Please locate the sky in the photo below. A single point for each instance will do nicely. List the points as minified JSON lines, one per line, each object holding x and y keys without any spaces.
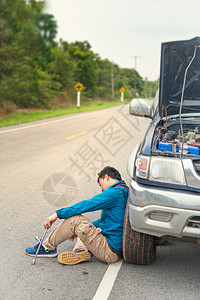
{"x":121,"y":30}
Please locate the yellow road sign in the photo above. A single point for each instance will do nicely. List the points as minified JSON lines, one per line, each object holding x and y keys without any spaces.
{"x":122,"y":90}
{"x":78,"y":86}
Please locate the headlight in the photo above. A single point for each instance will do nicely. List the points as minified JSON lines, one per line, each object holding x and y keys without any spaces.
{"x":168,"y":170}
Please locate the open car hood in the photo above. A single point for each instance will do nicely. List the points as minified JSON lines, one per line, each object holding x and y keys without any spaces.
{"x":175,"y":59}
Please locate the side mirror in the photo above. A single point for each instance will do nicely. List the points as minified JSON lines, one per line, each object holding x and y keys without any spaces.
{"x":141,"y":107}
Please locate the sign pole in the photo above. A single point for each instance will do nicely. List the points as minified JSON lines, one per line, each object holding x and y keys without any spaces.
{"x":78,"y":99}
{"x":122,"y":97}
{"x":78,"y":87}
{"x":122,"y":90}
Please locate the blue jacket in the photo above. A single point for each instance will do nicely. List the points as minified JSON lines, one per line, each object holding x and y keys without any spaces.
{"x":112,"y":202}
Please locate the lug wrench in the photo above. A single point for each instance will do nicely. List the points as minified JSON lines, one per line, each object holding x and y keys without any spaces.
{"x":42,"y":239}
{"x":38,"y":240}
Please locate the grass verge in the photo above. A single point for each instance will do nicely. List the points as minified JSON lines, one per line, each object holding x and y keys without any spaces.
{"x":25,"y":116}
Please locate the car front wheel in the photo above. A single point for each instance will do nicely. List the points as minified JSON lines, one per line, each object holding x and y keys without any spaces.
{"x":138,"y":248}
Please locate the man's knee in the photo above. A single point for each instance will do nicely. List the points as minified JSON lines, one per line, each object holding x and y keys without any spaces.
{"x":82,"y":227}
{"x":78,"y":221}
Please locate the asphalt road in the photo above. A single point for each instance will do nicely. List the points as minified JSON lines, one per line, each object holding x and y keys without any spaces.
{"x":49,"y":164}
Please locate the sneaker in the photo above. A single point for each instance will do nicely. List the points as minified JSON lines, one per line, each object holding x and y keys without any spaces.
{"x":31,"y":251}
{"x":73,"y":258}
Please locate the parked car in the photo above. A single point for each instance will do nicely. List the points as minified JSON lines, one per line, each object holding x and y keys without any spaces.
{"x":164,"y":197}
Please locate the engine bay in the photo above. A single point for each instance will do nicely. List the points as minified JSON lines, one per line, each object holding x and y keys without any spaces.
{"x":172,"y":139}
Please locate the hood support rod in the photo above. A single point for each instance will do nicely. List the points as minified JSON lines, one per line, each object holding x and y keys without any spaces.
{"x":181,"y":104}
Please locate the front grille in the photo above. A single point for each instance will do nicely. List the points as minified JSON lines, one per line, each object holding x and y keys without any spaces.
{"x":196,"y":164}
{"x":194,"y":222}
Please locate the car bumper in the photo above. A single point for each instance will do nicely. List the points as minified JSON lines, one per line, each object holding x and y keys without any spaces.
{"x":162,"y":212}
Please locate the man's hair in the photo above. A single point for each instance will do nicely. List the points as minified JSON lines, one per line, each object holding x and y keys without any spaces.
{"x":110,"y":171}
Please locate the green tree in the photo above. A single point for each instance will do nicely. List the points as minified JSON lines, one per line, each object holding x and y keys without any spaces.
{"x":46,"y":28}
{"x":150,"y":88}
{"x":128,"y":76}
{"x":62,"y":68}
{"x":34,"y":68}
{"x":86,"y":63}
{"x":22,"y":80}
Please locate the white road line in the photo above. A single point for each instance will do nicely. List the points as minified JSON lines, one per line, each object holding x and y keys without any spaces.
{"x":50,"y":122}
{"x":108,"y":281}
{"x":42,"y":124}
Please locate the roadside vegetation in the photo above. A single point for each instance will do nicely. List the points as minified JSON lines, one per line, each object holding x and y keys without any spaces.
{"x":30,"y":115}
{"x":38,"y":73}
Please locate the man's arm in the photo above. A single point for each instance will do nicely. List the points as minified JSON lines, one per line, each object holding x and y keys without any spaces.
{"x":107,"y":199}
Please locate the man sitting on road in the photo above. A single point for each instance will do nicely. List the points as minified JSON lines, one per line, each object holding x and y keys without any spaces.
{"x":101,"y":238}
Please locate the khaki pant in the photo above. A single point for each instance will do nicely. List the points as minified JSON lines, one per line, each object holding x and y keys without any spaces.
{"x":89,"y":238}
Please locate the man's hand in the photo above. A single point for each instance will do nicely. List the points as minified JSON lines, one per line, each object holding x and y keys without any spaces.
{"x":50,"y":220}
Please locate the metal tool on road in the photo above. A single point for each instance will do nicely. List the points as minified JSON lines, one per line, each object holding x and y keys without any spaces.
{"x":41,"y":241}
{"x":38,"y":240}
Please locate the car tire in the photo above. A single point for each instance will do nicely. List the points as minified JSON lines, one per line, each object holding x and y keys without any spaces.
{"x":138,"y":248}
